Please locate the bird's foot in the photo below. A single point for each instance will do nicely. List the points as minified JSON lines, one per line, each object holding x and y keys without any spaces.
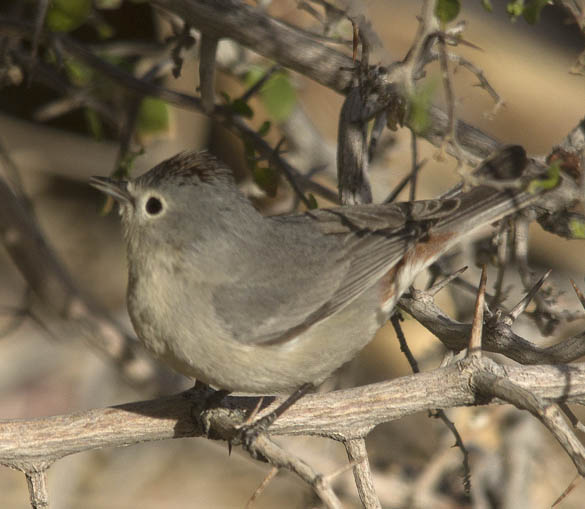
{"x":249,"y":433}
{"x":205,"y":400}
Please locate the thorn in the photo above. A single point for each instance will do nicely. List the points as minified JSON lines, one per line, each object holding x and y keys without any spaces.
{"x":345,"y":468}
{"x":255,"y":410}
{"x":260,"y":489}
{"x":568,"y":490}
{"x":578,"y":292}
{"x":395,"y":320}
{"x":436,"y":288}
{"x":519,"y":308}
{"x":577,"y":424}
{"x":477,"y":325}
{"x":229,"y":447}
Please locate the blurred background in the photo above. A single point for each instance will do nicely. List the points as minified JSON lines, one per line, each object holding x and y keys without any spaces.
{"x":57,"y":140}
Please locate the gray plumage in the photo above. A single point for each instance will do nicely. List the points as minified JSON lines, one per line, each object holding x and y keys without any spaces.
{"x":263,"y":305}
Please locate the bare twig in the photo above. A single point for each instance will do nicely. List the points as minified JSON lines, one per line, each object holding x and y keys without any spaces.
{"x":450,"y":100}
{"x":572,"y":485}
{"x":263,"y":485}
{"x":395,"y":319}
{"x":398,"y":189}
{"x":502,"y":239}
{"x":18,"y":314}
{"x":182,"y":41}
{"x":190,"y":102}
{"x":483,"y":82}
{"x":549,"y":414}
{"x":256,"y":87}
{"x":379,"y":124}
{"x":414,"y":164}
{"x":36,"y":481}
{"x":519,"y":308}
{"x":357,"y":453}
{"x":547,"y":317}
{"x":428,"y":25}
{"x":497,"y":337}
{"x":440,"y":414}
{"x":12,"y":175}
{"x":42,"y":6}
{"x":578,"y":292}
{"x":576,"y":9}
{"x":291,"y":174}
{"x":295,"y":50}
{"x":352,"y":145}
{"x":577,"y":424}
{"x":280,"y":458}
{"x":477,"y":325}
{"x":207,"y":53}
{"x":437,"y":287}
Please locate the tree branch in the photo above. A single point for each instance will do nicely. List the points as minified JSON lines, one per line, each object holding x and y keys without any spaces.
{"x":340,"y":415}
{"x":358,"y":454}
{"x":298,"y":50}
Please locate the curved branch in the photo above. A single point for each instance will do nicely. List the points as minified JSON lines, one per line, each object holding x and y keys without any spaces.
{"x":498,"y":337}
{"x":288,"y":45}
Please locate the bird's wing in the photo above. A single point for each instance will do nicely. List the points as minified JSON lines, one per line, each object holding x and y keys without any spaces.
{"x":336,"y":255}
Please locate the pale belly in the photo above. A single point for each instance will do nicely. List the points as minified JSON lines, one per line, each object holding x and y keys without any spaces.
{"x":204,"y":351}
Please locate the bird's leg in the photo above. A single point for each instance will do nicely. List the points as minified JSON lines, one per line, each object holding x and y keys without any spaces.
{"x":249,"y":432}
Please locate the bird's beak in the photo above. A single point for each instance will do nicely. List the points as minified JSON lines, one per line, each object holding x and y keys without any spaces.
{"x":117,"y":189}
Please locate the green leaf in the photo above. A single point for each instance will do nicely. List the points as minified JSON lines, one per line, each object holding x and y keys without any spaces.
{"x":242,"y":108}
{"x":278,"y":94}
{"x":153,"y":116}
{"x":267,"y":180}
{"x":125,"y":164}
{"x":94,"y":123}
{"x":264,"y":128}
{"x":253,"y":75}
{"x":514,"y":9}
{"x":577,"y":229}
{"x":250,"y":154}
{"x":447,"y":10}
{"x":67,"y":15}
{"x":419,"y":105}
{"x":487,"y":5}
{"x":104,"y":30}
{"x":551,"y":180}
{"x":79,"y":74}
{"x":312,"y":202}
{"x":531,"y":12}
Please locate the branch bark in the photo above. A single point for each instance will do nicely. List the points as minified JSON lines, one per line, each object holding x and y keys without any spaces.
{"x":340,"y":415}
{"x":300,"y":51}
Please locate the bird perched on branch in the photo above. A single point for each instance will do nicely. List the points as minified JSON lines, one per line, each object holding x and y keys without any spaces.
{"x":264,"y":305}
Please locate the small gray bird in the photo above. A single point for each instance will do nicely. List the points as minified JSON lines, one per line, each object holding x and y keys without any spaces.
{"x":264,"y":305}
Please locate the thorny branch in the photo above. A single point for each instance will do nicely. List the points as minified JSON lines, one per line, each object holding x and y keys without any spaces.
{"x":340,"y":415}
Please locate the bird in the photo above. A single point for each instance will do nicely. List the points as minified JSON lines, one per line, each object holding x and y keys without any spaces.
{"x":265,"y":304}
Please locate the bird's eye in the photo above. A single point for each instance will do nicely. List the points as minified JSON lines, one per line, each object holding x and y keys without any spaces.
{"x":153,"y":206}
